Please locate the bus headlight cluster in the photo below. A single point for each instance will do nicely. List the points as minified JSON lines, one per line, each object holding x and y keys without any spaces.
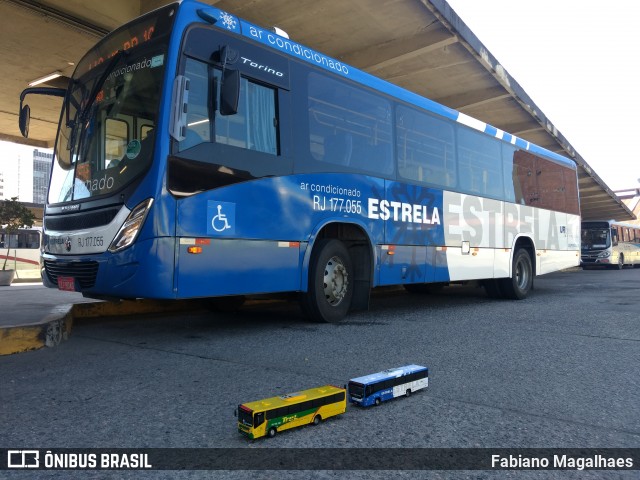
{"x":604,"y":255}
{"x":131,"y":226}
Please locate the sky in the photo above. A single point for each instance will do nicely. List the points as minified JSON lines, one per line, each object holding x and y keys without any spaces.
{"x":579,"y":62}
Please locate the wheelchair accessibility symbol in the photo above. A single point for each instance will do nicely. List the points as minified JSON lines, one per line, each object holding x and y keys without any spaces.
{"x":222,"y":216}
{"x":219,"y":221}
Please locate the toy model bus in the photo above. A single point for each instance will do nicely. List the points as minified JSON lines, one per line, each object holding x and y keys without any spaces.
{"x":379,"y":387}
{"x":275,"y":414}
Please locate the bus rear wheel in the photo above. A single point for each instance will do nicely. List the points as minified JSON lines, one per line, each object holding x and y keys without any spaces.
{"x":330,"y":289}
{"x":517,"y":287}
{"x":316,"y":420}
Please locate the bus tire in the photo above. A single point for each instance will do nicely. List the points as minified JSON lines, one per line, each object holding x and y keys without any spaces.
{"x":408,"y":392}
{"x":377,"y":401}
{"x":272,"y":432}
{"x":330,"y":289}
{"x":316,"y":420}
{"x":521,"y":281}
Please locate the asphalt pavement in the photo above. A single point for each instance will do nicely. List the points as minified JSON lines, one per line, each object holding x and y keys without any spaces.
{"x":553,"y":371}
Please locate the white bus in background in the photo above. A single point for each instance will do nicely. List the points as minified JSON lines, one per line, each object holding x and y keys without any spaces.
{"x":21,"y":249}
{"x":610,"y":244}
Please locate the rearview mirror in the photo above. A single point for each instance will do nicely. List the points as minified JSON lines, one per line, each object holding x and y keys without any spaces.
{"x":229,"y":92}
{"x":23,"y":121}
{"x":25,"y":111}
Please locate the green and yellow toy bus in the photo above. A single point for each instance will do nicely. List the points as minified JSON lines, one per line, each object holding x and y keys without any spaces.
{"x":275,"y":414}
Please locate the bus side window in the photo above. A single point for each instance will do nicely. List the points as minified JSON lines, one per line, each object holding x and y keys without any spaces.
{"x":254,"y":126}
{"x":426,"y":148}
{"x":551,"y":185}
{"x":479,"y":163}
{"x":198,"y":125}
{"x":614,"y":236}
{"x":348,"y":126}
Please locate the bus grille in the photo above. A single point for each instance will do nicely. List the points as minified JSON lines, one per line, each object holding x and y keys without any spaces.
{"x":591,"y":257}
{"x":84,"y":272}
{"x":80,"y":221}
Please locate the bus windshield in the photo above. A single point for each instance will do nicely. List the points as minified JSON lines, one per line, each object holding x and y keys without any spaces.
{"x":356,"y":389}
{"x":595,"y":238}
{"x":245,"y":416}
{"x":107,"y":123}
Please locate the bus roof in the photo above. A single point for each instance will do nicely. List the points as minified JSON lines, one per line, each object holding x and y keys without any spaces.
{"x":389,"y":373}
{"x":272,"y":40}
{"x":292,"y":398}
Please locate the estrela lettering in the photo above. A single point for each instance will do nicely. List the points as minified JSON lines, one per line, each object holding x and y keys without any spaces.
{"x":402,"y":212}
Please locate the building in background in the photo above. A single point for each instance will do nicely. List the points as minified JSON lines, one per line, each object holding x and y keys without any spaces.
{"x":24,"y":172}
{"x":41,"y":174}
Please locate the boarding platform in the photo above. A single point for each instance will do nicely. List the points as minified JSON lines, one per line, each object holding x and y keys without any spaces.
{"x":33,"y":316}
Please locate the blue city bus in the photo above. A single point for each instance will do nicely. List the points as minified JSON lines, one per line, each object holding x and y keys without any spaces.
{"x":379,"y":387}
{"x":199,"y":155}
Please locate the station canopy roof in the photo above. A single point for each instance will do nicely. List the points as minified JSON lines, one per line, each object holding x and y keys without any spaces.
{"x":421,"y":45}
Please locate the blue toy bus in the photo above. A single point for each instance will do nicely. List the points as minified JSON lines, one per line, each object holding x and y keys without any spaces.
{"x":199,"y":155}
{"x":379,"y":387}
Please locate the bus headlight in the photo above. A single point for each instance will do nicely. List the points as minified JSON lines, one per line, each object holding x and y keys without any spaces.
{"x":604,"y":255}
{"x":131,"y":226}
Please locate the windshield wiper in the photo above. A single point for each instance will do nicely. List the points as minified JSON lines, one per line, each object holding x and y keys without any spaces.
{"x":99,"y":82}
{"x":82,"y":112}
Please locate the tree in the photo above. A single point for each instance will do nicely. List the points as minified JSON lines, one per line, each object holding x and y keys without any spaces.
{"x":13,"y":216}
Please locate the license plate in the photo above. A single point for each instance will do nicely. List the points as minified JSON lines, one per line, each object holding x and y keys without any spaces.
{"x":67,"y":283}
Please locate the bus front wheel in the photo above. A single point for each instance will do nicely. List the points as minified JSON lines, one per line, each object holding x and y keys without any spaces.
{"x":330,"y":289}
{"x":620,"y":264}
{"x":518,"y":285}
{"x":272,"y":432}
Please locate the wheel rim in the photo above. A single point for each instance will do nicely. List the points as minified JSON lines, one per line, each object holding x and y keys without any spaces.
{"x":522,"y":275}
{"x":336,"y":281}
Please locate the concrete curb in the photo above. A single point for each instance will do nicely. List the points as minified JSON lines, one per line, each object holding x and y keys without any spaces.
{"x":50,"y":331}
{"x":57,"y":325}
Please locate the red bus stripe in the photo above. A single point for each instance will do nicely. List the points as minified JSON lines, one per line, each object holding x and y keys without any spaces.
{"x":20,"y":259}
